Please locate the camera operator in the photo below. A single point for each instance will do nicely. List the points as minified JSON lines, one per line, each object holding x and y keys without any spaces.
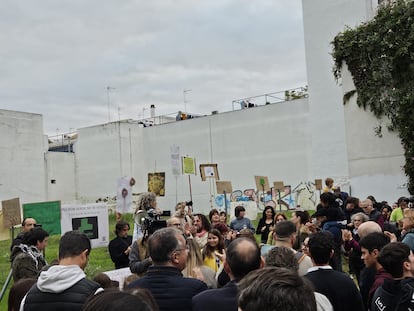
{"x":146,"y":204}
{"x":147,"y":221}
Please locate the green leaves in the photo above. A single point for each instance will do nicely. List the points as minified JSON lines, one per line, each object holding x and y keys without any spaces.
{"x":380,"y":56}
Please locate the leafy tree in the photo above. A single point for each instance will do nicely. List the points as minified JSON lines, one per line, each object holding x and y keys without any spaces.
{"x":380,"y":56}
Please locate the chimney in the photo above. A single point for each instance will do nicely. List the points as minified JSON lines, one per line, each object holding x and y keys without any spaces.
{"x":152,"y":108}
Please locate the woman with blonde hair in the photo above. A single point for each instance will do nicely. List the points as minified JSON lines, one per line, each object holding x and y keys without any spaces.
{"x":407,"y":233}
{"x":195,"y":268}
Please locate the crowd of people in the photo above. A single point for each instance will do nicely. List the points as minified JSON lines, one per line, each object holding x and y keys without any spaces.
{"x":196,"y":262}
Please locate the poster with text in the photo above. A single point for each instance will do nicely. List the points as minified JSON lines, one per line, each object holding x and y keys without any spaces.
{"x":91,"y":219}
{"x":189,"y":165}
{"x":175,"y":160}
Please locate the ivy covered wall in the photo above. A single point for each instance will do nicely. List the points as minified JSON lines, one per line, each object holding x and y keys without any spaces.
{"x":380,"y":56}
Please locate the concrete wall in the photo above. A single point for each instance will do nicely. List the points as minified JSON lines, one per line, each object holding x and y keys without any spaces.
{"x":21,"y":153}
{"x":103,"y":153}
{"x":291,"y":141}
{"x":271,"y":140}
{"x":60,"y":167}
{"x":322,"y":20}
{"x":343,"y":142}
{"x":375,"y":163}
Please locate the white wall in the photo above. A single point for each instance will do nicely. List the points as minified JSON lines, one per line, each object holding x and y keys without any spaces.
{"x":271,"y":140}
{"x":292,"y":141}
{"x":344,"y":144}
{"x":375,"y":163}
{"x":322,"y":20}
{"x":22,"y":172}
{"x":60,"y":166}
{"x":103,"y":154}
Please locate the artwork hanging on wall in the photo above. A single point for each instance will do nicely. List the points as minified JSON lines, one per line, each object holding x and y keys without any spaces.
{"x":156,"y":183}
{"x":209,"y":171}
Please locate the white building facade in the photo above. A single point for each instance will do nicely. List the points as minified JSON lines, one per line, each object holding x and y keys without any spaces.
{"x":294,"y":141}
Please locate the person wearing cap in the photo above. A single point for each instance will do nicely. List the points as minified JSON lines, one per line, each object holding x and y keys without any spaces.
{"x":285,"y":236}
{"x":397,"y":214}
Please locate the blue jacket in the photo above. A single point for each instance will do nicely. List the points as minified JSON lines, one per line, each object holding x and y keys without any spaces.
{"x":170,"y":289}
{"x":408,"y":239}
{"x":335,"y":228}
{"x":241,"y":223}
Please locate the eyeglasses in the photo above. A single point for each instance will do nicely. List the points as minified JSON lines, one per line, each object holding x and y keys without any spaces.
{"x":186,"y":248}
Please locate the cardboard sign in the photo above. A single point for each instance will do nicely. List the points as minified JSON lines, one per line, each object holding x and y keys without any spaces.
{"x":262,"y":183}
{"x":224,"y":186}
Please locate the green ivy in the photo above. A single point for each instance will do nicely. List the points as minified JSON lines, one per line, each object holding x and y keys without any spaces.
{"x":380,"y":56}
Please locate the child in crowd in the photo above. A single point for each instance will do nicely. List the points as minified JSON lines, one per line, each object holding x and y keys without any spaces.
{"x":215,"y":244}
{"x":223,"y":217}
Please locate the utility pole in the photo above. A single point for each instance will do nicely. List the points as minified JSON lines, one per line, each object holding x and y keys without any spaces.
{"x":108,"y":89}
{"x":185,"y":101}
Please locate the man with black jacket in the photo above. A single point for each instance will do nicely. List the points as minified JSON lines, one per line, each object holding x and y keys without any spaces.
{"x":396,"y":293}
{"x":336,"y":286}
{"x":168,"y":251}
{"x":120,"y":247}
{"x":242,"y":256}
{"x":64,"y":287}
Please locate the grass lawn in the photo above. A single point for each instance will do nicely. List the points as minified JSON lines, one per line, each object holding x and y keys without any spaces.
{"x":99,"y":259}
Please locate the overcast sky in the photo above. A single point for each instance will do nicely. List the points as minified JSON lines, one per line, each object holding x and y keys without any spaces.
{"x":58,"y":57}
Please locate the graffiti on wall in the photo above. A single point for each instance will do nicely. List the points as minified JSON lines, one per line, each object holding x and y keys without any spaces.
{"x":304,"y":195}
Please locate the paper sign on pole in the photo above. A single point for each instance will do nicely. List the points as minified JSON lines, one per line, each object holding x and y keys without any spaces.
{"x":175,"y":160}
{"x":124,"y":194}
{"x":11,"y":212}
{"x":189,"y":165}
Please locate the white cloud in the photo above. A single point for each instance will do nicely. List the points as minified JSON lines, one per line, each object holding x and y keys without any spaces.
{"x":59,"y":56}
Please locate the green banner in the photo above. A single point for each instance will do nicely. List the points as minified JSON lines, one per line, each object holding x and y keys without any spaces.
{"x":46,"y":214}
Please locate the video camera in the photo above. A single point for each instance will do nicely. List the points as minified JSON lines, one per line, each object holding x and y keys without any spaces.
{"x":152,"y":222}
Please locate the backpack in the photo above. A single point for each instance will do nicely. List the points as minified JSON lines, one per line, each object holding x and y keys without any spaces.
{"x":300,"y":256}
{"x":266,"y":248}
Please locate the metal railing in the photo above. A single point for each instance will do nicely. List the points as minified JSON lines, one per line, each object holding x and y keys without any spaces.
{"x":271,"y":98}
